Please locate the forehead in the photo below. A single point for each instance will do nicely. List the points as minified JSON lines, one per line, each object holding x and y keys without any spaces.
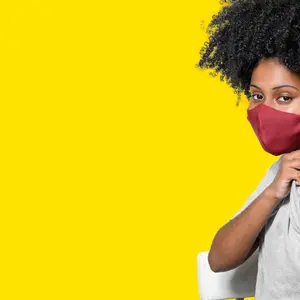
{"x":272,"y":73}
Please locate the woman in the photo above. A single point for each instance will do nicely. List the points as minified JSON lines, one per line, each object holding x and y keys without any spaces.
{"x":255,"y":46}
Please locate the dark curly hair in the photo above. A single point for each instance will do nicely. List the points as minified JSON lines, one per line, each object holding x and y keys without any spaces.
{"x":246,"y":31}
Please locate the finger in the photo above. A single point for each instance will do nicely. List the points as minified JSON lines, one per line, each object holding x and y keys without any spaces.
{"x":296,"y":176}
{"x":293,"y":154}
{"x":295,"y":163}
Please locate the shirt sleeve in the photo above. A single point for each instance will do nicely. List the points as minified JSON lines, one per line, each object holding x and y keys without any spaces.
{"x":263,"y":184}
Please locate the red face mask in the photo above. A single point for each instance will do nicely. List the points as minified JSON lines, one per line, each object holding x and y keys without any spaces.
{"x":278,"y":131}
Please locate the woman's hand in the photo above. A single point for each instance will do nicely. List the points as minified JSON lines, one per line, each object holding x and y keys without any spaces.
{"x":289,"y":170}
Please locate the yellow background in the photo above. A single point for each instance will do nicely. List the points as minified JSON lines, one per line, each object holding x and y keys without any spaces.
{"x":120,"y":159}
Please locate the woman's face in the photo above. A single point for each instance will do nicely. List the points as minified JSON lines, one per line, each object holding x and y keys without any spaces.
{"x":276,"y":86}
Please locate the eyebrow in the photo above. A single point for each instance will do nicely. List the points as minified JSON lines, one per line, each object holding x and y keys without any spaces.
{"x":276,"y":87}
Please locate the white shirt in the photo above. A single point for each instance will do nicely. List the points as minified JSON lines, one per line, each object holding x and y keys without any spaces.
{"x":278,"y":275}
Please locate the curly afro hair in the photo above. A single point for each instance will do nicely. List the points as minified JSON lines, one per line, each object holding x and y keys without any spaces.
{"x":246,"y":31}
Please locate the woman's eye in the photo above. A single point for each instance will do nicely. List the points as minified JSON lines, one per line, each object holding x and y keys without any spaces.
{"x":256,"y":97}
{"x":286,"y":98}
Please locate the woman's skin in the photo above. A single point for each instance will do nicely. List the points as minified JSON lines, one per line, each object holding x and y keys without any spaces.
{"x":236,"y":241}
{"x":265,"y":87}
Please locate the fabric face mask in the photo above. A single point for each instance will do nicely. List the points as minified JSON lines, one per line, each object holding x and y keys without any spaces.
{"x":277,"y":131}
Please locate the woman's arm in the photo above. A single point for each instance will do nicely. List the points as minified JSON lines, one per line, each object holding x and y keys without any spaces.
{"x":236,"y":241}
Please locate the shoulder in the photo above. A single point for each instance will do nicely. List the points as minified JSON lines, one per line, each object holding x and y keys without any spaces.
{"x":275,"y":166}
{"x":264,"y":182}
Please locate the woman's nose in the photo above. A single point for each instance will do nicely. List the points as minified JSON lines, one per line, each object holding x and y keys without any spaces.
{"x":268,"y":101}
